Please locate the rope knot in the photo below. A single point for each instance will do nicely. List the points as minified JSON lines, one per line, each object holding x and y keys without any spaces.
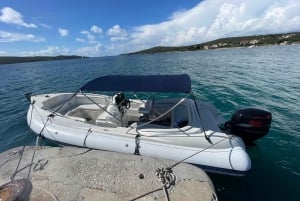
{"x":40,"y":165}
{"x":166,"y":176}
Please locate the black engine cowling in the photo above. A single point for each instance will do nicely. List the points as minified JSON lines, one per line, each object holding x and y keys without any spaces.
{"x":250,"y":124}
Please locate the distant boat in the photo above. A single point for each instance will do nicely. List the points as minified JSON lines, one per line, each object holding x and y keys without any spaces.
{"x":251,"y":46}
{"x":173,"y":127}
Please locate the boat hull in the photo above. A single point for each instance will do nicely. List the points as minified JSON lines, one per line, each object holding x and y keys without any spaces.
{"x":224,"y":154}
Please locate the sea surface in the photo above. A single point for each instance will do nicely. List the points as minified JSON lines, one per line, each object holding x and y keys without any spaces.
{"x":265,"y":77}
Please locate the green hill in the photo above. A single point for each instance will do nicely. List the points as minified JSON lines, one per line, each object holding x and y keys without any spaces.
{"x":12,"y":59}
{"x":243,"y":41}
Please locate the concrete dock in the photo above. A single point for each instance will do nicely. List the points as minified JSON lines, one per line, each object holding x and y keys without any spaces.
{"x":69,"y":173}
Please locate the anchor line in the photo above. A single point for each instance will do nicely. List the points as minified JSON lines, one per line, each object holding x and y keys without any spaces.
{"x":198,"y":152}
{"x":88,"y":133}
{"x":145,"y":194}
{"x":45,"y":124}
{"x":37,"y":143}
{"x":199,"y":115}
{"x":12,"y":178}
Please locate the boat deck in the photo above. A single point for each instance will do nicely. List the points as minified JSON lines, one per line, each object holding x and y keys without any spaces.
{"x":91,"y":113}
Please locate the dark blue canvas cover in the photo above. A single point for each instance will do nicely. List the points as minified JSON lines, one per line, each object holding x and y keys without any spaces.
{"x":141,"y":83}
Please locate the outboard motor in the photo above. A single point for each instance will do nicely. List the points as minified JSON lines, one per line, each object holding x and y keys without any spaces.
{"x":250,"y":124}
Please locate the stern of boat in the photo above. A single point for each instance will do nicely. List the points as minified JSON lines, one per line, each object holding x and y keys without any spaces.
{"x":238,"y":158}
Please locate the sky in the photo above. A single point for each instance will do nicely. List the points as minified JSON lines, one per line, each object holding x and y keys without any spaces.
{"x":110,"y":27}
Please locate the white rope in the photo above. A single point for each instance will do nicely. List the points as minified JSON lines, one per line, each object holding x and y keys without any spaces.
{"x":198,"y":152}
{"x":44,"y":123}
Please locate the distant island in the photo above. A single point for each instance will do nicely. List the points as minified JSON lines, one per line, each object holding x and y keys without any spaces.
{"x":12,"y":59}
{"x":232,"y":42}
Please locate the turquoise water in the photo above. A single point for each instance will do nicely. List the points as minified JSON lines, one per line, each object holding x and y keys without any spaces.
{"x":267,"y":77}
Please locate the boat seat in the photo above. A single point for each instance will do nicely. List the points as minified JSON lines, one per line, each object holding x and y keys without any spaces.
{"x":84,"y":113}
{"x":111,"y":117}
{"x":148,"y":106}
{"x":180,"y":116}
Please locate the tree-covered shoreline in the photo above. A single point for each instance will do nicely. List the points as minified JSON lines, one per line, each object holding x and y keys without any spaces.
{"x":231,"y":42}
{"x":14,"y":59}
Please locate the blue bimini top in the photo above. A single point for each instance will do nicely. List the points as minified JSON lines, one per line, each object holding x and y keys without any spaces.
{"x":141,"y":83}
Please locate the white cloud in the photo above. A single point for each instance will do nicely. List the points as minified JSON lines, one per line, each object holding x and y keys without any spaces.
{"x":215,"y":19}
{"x":116,"y":33}
{"x":84,"y":32}
{"x":91,"y":51}
{"x":116,"y":30}
{"x":49,"y":51}
{"x":80,"y":40}
{"x":11,"y":16}
{"x":118,"y":38}
{"x":89,"y":36}
{"x":13,"y":37}
{"x":96,"y":29}
{"x":45,"y":26}
{"x":208,"y":20}
{"x":63,"y":32}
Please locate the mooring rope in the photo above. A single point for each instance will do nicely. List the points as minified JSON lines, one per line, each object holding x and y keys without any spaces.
{"x":88,"y":133}
{"x":37,"y":143}
{"x":44,"y":123}
{"x":199,"y":115}
{"x":23,"y":148}
{"x":31,"y":163}
{"x":166,"y":175}
{"x":12,"y":178}
{"x":198,"y":152}
{"x":168,"y":178}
